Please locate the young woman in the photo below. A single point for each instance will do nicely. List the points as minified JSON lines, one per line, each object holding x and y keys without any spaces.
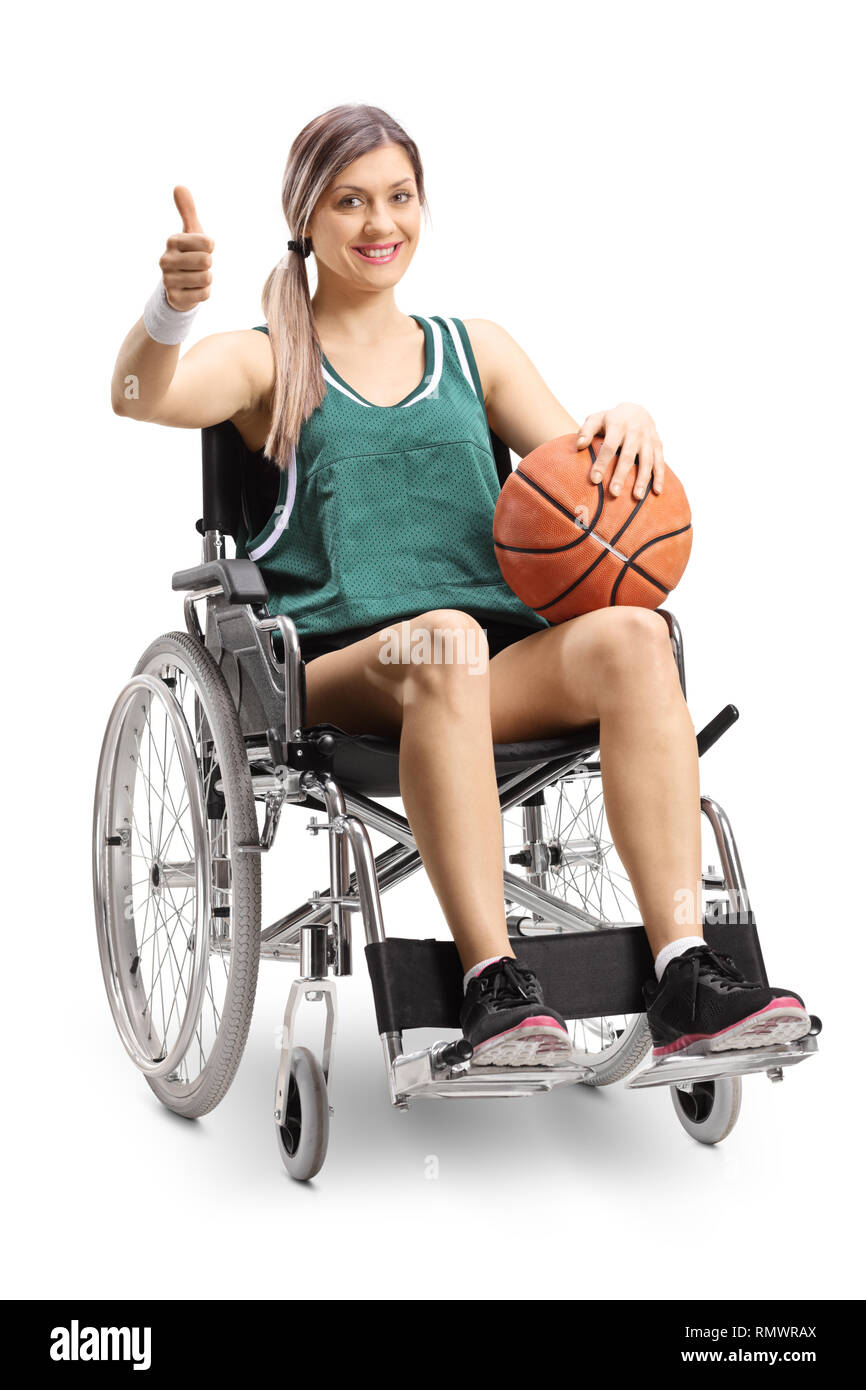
{"x":379,"y":423}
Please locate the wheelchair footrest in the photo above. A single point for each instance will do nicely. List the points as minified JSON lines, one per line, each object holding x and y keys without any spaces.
{"x":585,"y":974}
{"x":674,"y":1071}
{"x":416,"y":1075}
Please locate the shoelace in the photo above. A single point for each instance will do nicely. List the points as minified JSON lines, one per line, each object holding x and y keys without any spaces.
{"x":511,"y":984}
{"x":716,"y":967}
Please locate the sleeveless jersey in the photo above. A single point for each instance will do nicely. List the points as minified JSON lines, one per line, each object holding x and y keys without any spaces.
{"x":385,"y":512}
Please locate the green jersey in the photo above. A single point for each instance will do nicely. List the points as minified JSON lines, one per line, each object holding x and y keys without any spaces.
{"x":386,"y":512}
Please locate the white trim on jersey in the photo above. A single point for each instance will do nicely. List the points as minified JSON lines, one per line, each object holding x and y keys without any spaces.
{"x":338,"y":386}
{"x":438,"y":359}
{"x":461,"y":353}
{"x":432,"y":385}
{"x":283,"y":518}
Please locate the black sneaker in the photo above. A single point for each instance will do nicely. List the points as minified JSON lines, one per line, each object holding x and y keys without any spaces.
{"x":704,"y":1004}
{"x":506,"y":1020}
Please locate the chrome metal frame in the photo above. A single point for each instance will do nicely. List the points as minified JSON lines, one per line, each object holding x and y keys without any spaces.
{"x":679,"y":1071}
{"x":314,"y":989}
{"x":290,"y":666}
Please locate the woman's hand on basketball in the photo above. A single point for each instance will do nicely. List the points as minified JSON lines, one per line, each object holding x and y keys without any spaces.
{"x":185,"y":263}
{"x":631,"y":429}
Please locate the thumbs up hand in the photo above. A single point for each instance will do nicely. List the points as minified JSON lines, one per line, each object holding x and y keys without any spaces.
{"x":185,"y":263}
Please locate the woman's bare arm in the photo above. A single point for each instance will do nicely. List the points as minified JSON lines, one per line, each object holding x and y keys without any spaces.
{"x":225,"y":376}
{"x":521,"y":407}
{"x":524,"y":413}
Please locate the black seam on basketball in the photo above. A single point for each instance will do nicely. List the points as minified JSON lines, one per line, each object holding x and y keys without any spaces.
{"x":630,"y":564}
{"x":654,"y":540}
{"x":557,"y":549}
{"x":639,"y":568}
{"x":571,"y":587}
{"x":554,"y":549}
{"x":629,"y":519}
{"x":599,"y":490}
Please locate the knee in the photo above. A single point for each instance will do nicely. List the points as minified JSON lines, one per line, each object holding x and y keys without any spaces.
{"x":445,"y":644}
{"x":631,"y":638}
{"x":446,"y":620}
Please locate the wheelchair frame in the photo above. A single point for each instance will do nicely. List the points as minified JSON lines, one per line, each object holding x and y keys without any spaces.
{"x":587,"y":969}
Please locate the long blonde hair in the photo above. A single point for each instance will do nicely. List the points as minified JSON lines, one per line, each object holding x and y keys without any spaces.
{"x":318,"y":154}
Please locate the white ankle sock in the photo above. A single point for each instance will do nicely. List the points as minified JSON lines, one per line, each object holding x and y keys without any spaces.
{"x":477,"y":969}
{"x":674,"y":949}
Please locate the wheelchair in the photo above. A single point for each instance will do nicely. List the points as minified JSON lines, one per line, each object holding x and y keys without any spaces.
{"x":207,"y":744}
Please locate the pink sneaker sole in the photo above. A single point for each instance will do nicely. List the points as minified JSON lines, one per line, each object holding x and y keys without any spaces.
{"x":783,"y":1020}
{"x":538,"y":1041}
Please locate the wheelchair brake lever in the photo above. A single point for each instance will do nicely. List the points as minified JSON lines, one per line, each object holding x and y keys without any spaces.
{"x":277,"y":748}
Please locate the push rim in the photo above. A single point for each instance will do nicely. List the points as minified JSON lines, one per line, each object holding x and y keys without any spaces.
{"x":206,"y":1071}
{"x":151,"y":889}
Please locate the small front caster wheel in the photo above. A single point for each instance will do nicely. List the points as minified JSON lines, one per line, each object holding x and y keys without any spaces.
{"x":708,"y":1110}
{"x":303,"y":1139}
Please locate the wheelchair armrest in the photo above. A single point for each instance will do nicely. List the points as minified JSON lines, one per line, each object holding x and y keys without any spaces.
{"x":240,"y":580}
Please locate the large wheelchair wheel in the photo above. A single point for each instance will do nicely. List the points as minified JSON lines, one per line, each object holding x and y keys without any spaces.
{"x":566,"y":848}
{"x":178,"y":901}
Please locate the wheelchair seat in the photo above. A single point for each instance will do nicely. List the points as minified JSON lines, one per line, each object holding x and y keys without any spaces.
{"x":369,"y":764}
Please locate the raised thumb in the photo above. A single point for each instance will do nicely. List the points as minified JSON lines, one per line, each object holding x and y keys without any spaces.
{"x":186,"y":207}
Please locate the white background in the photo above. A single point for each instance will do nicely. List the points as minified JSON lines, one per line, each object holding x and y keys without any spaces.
{"x":661,"y":203}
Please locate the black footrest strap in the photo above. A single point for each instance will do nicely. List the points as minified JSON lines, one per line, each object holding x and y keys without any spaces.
{"x":419,"y":984}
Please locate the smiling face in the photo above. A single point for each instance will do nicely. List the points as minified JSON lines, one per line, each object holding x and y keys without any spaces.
{"x":371,"y":206}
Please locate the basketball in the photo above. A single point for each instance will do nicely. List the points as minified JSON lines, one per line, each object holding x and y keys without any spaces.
{"x":565,"y":546}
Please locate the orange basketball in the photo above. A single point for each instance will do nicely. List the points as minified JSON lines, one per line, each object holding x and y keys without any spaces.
{"x":566,"y":546}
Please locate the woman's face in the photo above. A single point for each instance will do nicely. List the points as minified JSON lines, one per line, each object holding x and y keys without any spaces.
{"x":371,"y":203}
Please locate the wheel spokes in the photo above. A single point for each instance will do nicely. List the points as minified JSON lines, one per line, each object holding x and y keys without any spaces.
{"x":584,"y":869}
{"x":163,"y":894}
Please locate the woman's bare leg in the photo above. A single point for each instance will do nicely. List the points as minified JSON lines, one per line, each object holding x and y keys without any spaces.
{"x":448,"y":787}
{"x":616,"y":665}
{"x":440,"y":711}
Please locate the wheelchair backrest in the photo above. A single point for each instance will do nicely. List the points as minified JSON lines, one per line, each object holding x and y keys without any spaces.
{"x":241,"y":486}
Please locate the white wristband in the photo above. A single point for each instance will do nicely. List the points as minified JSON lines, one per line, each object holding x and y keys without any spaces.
{"x":165,"y":324}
